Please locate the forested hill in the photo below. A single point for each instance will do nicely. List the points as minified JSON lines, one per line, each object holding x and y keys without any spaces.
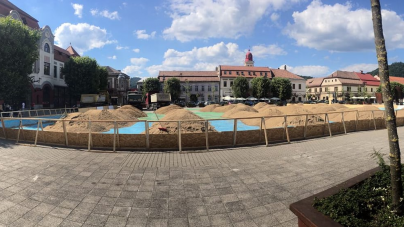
{"x":396,"y":69}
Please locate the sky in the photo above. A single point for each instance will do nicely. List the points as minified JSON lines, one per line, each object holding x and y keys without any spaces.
{"x":143,"y":37}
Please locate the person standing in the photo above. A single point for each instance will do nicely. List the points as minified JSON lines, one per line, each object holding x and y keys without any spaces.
{"x":23,"y":105}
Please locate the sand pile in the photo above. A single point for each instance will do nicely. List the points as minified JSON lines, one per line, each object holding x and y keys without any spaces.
{"x":186,"y":127}
{"x":260,"y":105}
{"x":209,"y":108}
{"x":166,"y":109}
{"x":124,"y":113}
{"x":248,"y":110}
{"x":222,"y":109}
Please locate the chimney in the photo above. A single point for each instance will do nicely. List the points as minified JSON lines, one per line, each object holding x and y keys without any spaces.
{"x":284,"y":67}
{"x":361,"y":71}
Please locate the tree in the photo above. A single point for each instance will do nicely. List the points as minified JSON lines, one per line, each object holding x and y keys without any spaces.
{"x":240,"y":87}
{"x":394,"y":86}
{"x":18,"y":52}
{"x":187,"y":90}
{"x":260,"y":87}
{"x":151,"y":85}
{"x":173,"y":86}
{"x":103,"y":77}
{"x":82,"y":76}
{"x":395,"y":69}
{"x":281,"y":88}
{"x":213,"y":86}
{"x":395,"y":155}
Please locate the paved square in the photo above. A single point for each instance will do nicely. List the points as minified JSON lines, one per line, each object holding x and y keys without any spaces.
{"x":252,"y":186}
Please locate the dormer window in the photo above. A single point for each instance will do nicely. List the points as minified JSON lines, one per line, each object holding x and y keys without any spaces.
{"x":46,"y":48}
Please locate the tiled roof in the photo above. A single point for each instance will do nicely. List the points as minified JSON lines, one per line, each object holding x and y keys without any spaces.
{"x":112,"y":71}
{"x":61,"y":54}
{"x":349,"y":81}
{"x":368,"y":79}
{"x":72,"y":52}
{"x":285,"y":74}
{"x":315,"y":82}
{"x":244,"y":68}
{"x":192,"y":78}
{"x":397,"y":79}
{"x":344,"y":74}
{"x":188,"y":73}
{"x":5,"y":8}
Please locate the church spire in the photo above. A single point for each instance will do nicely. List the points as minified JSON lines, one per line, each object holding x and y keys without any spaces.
{"x":249,"y":59}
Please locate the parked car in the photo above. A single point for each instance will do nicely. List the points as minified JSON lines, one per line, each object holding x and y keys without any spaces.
{"x":309,"y":102}
{"x":249,"y":103}
{"x":209,"y":103}
{"x":342,"y":102}
{"x":191,"y":104}
{"x":322,"y":101}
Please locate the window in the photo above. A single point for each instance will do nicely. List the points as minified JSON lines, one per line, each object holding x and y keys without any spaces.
{"x":371,"y":89}
{"x":260,"y":73}
{"x":335,"y":88}
{"x":229,"y":72}
{"x":216,"y":88}
{"x":249,"y":73}
{"x":348,"y":89}
{"x":224,"y":83}
{"x":183,"y":88}
{"x":24,"y":20}
{"x":209,"y":88}
{"x":300,"y":86}
{"x":293,"y":86}
{"x":316,"y":90}
{"x":231,"y":83}
{"x":60,"y":73}
{"x":46,"y":48}
{"x":321,"y":89}
{"x":265,"y":74}
{"x":46,"y":68}
{"x":242,"y":73}
{"x":203,"y":87}
{"x":190,"y":87}
{"x":254,"y":73}
{"x":326,"y":89}
{"x":225,"y":72}
{"x":55,"y":71}
{"x":196,"y":87}
{"x":359,"y":89}
{"x":310,"y":90}
{"x":237,"y":73}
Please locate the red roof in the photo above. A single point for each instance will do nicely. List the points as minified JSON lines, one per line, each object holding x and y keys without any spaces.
{"x":343,"y":74}
{"x":368,"y":79}
{"x":397,"y":79}
{"x":285,"y":74}
{"x":61,"y":54}
{"x":314,"y":82}
{"x":72,"y":52}
{"x":5,"y":8}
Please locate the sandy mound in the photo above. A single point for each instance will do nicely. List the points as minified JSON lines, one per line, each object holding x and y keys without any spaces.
{"x":127,"y":113}
{"x":209,"y":108}
{"x":186,"y":127}
{"x":240,"y":108}
{"x":222,"y":109}
{"x":260,"y":105}
{"x":166,"y":109}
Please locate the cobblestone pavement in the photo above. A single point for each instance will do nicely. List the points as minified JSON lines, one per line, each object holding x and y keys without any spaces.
{"x":50,"y":186}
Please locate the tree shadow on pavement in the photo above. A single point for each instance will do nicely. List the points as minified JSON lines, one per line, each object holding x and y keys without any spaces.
{"x":6,"y":143}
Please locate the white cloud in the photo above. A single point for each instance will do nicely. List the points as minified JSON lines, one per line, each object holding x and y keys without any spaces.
{"x":141,"y":34}
{"x":78,"y":9}
{"x":203,"y":58}
{"x":203,"y":19}
{"x":308,"y":70}
{"x":139,"y":61}
{"x":121,"y":47}
{"x":112,"y":57}
{"x":358,"y":67}
{"x":274,"y":17}
{"x":263,"y":51}
{"x":95,"y":37}
{"x":341,"y":28}
{"x":132,"y":70}
{"x":105,"y":13}
{"x":136,"y":50}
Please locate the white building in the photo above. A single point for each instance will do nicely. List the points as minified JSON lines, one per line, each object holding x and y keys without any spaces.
{"x":203,"y":84}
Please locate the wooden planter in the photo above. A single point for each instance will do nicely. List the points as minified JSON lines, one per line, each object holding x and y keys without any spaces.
{"x":308,"y":216}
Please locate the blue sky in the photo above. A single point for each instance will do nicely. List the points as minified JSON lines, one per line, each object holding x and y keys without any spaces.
{"x":142,"y":37}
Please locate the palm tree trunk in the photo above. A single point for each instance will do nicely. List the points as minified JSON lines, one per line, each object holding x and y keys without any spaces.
{"x":395,"y":156}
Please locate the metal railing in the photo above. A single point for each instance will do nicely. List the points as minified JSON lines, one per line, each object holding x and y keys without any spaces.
{"x":323,"y":118}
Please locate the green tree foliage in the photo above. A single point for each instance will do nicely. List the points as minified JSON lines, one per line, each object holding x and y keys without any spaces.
{"x":173,"y":86}
{"x":82,"y":76}
{"x":394,"y":86}
{"x":151,"y":85}
{"x":18,"y":52}
{"x":281,"y":88}
{"x":103,"y":75}
{"x":396,"y":69}
{"x":306,"y":77}
{"x":260,"y":87}
{"x":240,"y":87}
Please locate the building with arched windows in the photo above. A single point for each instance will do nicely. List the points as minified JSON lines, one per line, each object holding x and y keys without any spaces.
{"x":49,"y":89}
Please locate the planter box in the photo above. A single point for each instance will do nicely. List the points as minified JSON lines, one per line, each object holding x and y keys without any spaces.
{"x":308,"y":216}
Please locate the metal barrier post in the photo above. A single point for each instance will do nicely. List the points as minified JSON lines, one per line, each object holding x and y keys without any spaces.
{"x":89,"y":135}
{"x":328,"y":123}
{"x":260,"y":131}
{"x":234,"y":132}
{"x":356,"y":120}
{"x":147,"y":134}
{"x":265,"y":131}
{"x":117,"y":136}
{"x":305,"y":126}
{"x":65,"y":132}
{"x":286,"y":128}
{"x":207,"y":134}
{"x":179,"y":136}
{"x":343,"y":121}
{"x":19,"y":130}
